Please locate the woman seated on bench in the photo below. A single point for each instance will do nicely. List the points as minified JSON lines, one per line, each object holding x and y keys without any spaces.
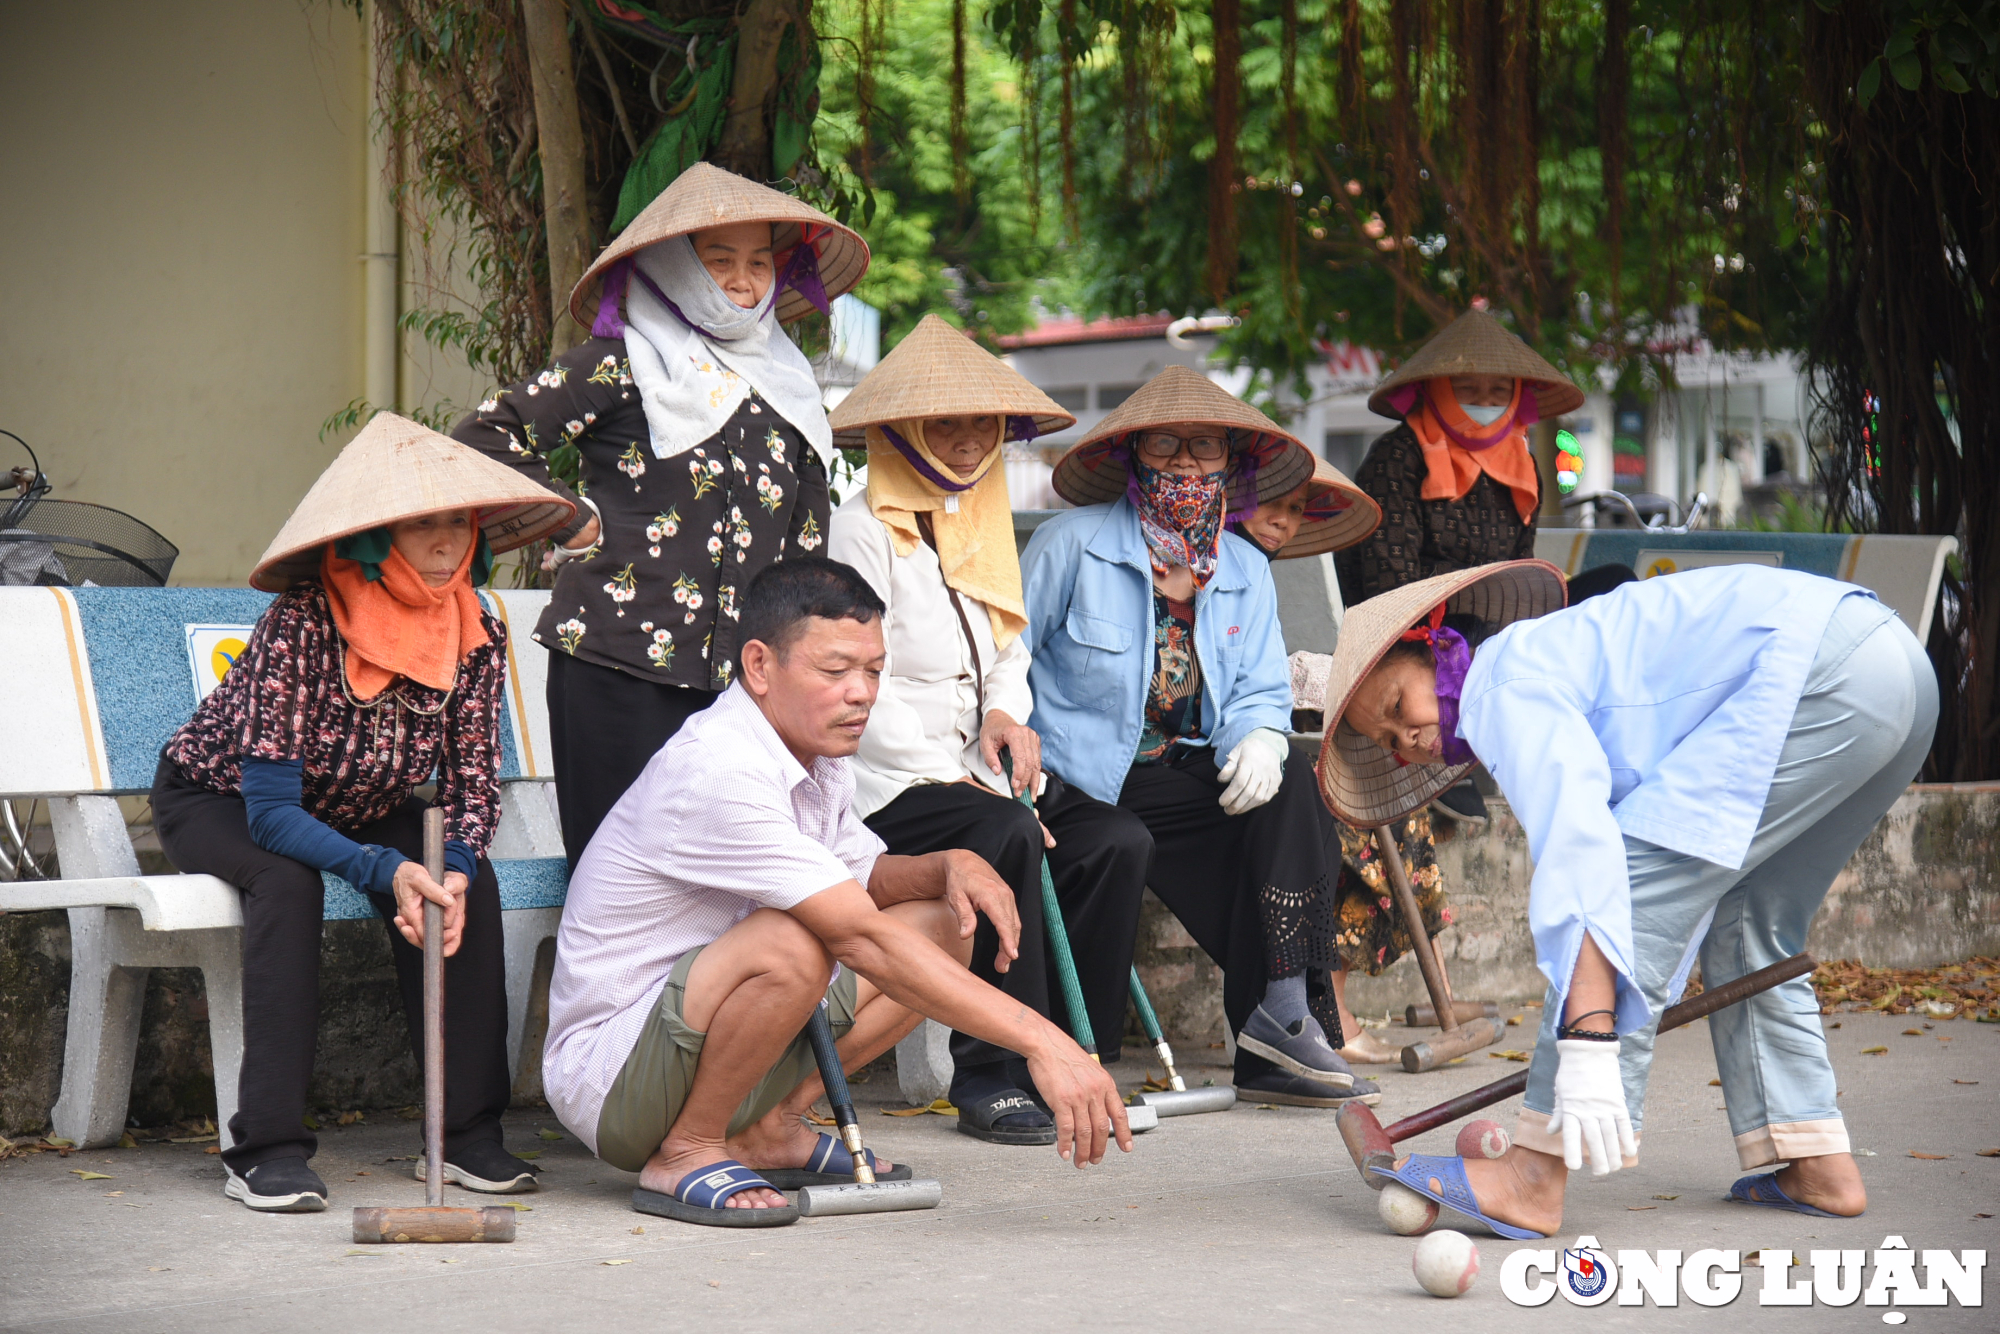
{"x":373,"y":670}
{"x":1694,"y":758}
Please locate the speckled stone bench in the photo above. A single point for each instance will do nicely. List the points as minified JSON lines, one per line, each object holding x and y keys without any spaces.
{"x":97,"y":679}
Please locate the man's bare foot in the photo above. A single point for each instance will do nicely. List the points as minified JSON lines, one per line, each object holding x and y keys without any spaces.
{"x":1831,"y":1182}
{"x":673,"y":1161}
{"x":781,"y":1139}
{"x":1521,"y":1187}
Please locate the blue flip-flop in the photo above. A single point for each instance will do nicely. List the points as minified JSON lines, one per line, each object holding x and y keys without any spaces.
{"x":1760,"y":1189}
{"x":1420,"y":1169}
{"x":701,"y":1198}
{"x":830,"y":1164}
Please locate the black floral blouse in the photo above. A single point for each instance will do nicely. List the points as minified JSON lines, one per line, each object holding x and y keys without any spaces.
{"x":287,"y":699}
{"x":681,"y":538}
{"x":1419,"y":538}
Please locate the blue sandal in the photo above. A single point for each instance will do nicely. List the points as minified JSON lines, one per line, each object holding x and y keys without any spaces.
{"x":1420,"y":1169}
{"x":830,"y":1164}
{"x":1760,"y":1190}
{"x":700,"y":1198}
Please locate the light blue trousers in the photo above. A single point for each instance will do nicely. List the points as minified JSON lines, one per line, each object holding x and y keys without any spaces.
{"x":1860,"y":734}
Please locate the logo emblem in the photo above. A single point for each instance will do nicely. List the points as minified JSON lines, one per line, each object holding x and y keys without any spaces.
{"x":1587,"y":1276}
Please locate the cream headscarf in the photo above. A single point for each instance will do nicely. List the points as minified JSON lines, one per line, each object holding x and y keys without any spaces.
{"x":971,"y":516}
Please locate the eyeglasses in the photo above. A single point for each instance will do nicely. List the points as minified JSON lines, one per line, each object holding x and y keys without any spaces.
{"x":1163,"y":445}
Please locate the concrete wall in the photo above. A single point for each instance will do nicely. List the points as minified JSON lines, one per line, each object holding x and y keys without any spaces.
{"x":181,"y":260}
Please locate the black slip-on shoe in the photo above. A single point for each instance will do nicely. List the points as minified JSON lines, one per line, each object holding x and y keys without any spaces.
{"x":281,"y":1186}
{"x":1284,"y":1088}
{"x":487,"y":1168}
{"x":1462,"y":805}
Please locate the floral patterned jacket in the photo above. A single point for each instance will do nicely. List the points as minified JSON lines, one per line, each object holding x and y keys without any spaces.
{"x":682,"y":537}
{"x":287,"y":699}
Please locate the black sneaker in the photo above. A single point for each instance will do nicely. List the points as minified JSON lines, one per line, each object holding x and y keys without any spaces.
{"x":281,"y":1186}
{"x":1284,"y":1088}
{"x":1462,"y":805}
{"x":487,"y":1168}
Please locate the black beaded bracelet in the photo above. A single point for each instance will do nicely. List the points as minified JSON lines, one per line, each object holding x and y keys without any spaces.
{"x":1564,"y":1032}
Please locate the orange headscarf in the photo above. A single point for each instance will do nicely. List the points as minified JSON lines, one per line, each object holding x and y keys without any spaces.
{"x":399,"y":625}
{"x":1500,"y":450}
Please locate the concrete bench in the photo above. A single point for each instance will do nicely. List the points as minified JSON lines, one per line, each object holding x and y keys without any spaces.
{"x":1903,"y":571}
{"x":97,"y":680}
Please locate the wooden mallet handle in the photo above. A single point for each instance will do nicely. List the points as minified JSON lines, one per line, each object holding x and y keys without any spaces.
{"x":434,"y":1015}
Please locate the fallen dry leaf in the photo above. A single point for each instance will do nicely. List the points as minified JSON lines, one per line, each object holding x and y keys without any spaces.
{"x":517,"y":1206}
{"x":1873,"y":1051}
{"x":1944,"y":1037}
{"x":1666,"y":1197}
{"x":1833,"y":1025}
{"x":125,"y":1141}
{"x":614,"y":1262}
{"x":715,"y":1283}
{"x":550,"y":1135}
{"x":1509,"y":1055}
{"x":1933,"y":1157}
{"x":1989,"y":1153}
{"x":1514,"y":1022}
{"x":529,"y":1154}
{"x":159,"y":1269}
{"x":89,"y":1176}
{"x":213,"y":1148}
{"x":1982,"y":1215}
{"x":1715,"y":1083}
{"x":638,"y":1231}
{"x":1965,"y":1081}
{"x":1913,"y":1032}
{"x":1639,"y":1208}
{"x":364,"y":1252}
{"x":941,"y":1107}
{"x":350,"y":1118}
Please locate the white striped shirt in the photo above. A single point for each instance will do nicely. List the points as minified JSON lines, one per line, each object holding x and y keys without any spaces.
{"x":722,"y":821}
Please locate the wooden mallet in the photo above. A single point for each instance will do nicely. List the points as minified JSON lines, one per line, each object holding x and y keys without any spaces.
{"x":434,"y":1222}
{"x":1461,"y":1035}
{"x":1371,"y":1144}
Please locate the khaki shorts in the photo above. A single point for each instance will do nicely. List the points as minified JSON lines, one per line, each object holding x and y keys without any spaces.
{"x":650,"y":1089}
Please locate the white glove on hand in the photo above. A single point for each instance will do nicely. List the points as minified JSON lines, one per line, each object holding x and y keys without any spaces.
{"x":1590,"y":1107}
{"x":1254,"y":771}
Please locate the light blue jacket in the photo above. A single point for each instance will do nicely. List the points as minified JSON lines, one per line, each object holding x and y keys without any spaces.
{"x":1089,"y":588}
{"x":1658,"y":711}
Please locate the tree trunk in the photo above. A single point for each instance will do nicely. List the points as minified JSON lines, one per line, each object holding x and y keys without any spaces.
{"x":559,"y":135}
{"x":745,"y":147}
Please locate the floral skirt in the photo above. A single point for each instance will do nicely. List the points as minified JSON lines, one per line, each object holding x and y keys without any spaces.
{"x":1368,"y":930}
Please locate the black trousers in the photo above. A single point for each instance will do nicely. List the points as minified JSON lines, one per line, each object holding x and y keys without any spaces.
{"x":1099,"y":867}
{"x":604,"y":725}
{"x":208,"y":833}
{"x":1254,"y":890}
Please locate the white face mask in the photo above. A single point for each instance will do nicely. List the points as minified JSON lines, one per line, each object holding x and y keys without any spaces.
{"x":1486,"y":413}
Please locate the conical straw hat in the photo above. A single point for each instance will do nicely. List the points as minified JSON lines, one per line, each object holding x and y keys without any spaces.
{"x":1361,"y":782}
{"x":1338,"y":514}
{"x":936,"y":371}
{"x":1477,"y":344}
{"x":396,"y":469}
{"x":1093,"y":471}
{"x":707,"y":196}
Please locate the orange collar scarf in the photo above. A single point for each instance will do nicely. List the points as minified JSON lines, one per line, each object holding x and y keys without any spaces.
{"x":1457,"y":449}
{"x":399,"y":625}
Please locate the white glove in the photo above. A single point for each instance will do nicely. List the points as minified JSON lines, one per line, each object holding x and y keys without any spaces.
{"x":1590,"y":1107}
{"x":1254,"y":771}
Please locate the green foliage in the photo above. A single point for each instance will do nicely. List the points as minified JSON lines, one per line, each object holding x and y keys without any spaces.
{"x":1959,"y":41}
{"x":980,"y":261}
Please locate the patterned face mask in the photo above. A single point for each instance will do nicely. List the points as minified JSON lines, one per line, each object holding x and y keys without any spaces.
{"x":1181,"y":517}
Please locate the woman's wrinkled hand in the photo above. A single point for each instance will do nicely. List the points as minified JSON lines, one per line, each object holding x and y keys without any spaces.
{"x":999,"y":732}
{"x":412,"y":887}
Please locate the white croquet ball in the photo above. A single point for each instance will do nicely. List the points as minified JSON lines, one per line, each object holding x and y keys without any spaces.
{"x":1483,"y":1139}
{"x":1446,"y":1263}
{"x":1404,"y":1211}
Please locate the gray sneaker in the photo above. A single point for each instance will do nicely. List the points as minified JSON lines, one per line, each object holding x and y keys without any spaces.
{"x":1302,"y":1049}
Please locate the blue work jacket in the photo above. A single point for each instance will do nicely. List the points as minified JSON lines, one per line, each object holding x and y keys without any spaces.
{"x":1659,"y":711}
{"x":1089,"y":586}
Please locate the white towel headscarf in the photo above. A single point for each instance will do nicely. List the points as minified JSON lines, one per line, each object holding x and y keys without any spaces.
{"x":692,"y":379}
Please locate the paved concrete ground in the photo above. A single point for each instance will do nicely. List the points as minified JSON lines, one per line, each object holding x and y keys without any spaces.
{"x":1249,"y":1220}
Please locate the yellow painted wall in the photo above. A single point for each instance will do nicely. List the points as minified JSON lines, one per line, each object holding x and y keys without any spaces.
{"x":182,"y":197}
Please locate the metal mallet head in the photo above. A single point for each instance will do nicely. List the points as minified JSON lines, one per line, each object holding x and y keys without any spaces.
{"x":866,"y":1195}
{"x":1189,"y":1102}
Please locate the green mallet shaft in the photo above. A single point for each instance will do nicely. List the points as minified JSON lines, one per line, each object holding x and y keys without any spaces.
{"x":1052,"y":919}
{"x":1151,"y":1023}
